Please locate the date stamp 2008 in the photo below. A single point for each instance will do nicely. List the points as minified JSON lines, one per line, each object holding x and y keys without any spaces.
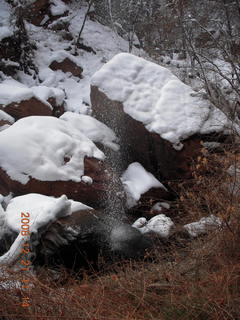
{"x":25,"y":262}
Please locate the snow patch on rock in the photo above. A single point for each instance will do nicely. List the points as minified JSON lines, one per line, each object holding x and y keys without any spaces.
{"x":92,"y":128}
{"x":137,"y":181}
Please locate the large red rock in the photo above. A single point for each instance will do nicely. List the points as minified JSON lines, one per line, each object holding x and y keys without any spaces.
{"x":139,"y":145}
{"x":94,"y":194}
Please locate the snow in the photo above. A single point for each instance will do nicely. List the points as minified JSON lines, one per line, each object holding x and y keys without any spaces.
{"x":5,"y":32}
{"x":160,"y":224}
{"x":43,"y":210}
{"x":58,"y":7}
{"x":203,"y":225}
{"x":87,"y":179}
{"x":61,"y":55}
{"x":154,"y":96}
{"x":51,"y":45}
{"x":159,"y":205}
{"x":92,"y":128}
{"x":14,"y":91}
{"x":137,"y":181}
{"x":37,"y":146}
{"x":5,"y":28}
{"x":5,"y":116}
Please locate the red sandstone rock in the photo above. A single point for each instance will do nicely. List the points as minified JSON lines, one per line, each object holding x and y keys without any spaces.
{"x":25,"y":108}
{"x":67,"y":65}
{"x":90,"y":194}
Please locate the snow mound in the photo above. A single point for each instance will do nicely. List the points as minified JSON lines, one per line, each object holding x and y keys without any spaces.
{"x":160,"y":224}
{"x":58,"y":7}
{"x":14,"y":91}
{"x":38,"y":147}
{"x":137,"y":181}
{"x":92,"y":128}
{"x":152,"y":95}
{"x":203,"y":225}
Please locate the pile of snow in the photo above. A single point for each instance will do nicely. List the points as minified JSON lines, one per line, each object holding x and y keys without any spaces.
{"x":42,"y":210}
{"x":14,"y":91}
{"x":58,"y":7}
{"x":160,"y":224}
{"x":92,"y":128}
{"x":38,"y":146}
{"x":137,"y":181}
{"x":203,"y":225}
{"x":154,"y":96}
{"x":5,"y":27}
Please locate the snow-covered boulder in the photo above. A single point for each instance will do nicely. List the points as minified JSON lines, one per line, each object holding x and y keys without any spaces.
{"x":41,"y":212}
{"x":50,"y":156}
{"x":154,"y":114}
{"x":20,"y":101}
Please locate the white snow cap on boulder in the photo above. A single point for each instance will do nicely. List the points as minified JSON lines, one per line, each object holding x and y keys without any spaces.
{"x":14,"y":91}
{"x":92,"y":128}
{"x":137,"y":181}
{"x":38,"y":147}
{"x":154,"y":96}
{"x":42,"y":210}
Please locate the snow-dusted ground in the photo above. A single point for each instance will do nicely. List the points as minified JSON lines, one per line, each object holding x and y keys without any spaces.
{"x":51,"y":45}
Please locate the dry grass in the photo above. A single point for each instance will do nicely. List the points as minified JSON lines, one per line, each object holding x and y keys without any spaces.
{"x":198,"y":280}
